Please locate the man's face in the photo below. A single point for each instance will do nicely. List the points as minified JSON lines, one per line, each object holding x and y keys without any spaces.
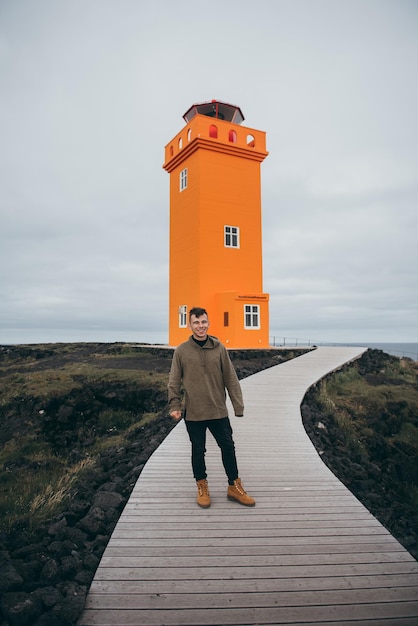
{"x":199,"y":327}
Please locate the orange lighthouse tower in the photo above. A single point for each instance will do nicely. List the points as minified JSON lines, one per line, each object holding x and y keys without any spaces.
{"x":215,"y":226}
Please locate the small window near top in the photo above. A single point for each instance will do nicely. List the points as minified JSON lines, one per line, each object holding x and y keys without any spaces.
{"x":251,"y":316}
{"x":226,"y":318}
{"x":213,"y":131}
{"x":189,"y":134}
{"x":183,"y":179}
{"x":171,"y":150}
{"x":180,"y":143}
{"x":183,"y":316}
{"x":232,"y":136}
{"x":251,"y":141}
{"x":231,"y":237}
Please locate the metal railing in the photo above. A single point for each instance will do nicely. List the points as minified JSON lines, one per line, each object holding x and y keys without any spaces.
{"x":297,"y":342}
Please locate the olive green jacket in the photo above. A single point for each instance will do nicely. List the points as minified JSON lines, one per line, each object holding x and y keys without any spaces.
{"x":201,"y":375}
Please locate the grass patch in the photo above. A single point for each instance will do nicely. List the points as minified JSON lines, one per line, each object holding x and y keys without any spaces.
{"x":42,"y":491}
{"x":62,"y":406}
{"x":65,"y":405}
{"x":52,"y":382}
{"x":369,"y":436}
{"x":408,"y":434}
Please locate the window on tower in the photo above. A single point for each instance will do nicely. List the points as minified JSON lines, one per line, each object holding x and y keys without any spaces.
{"x":251,"y":316}
{"x":213,"y":131}
{"x":231,"y":236}
{"x":183,"y":316}
{"x":183,"y":179}
{"x":232,"y":136}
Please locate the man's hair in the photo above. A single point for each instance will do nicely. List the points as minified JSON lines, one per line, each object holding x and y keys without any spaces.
{"x":197,"y":311}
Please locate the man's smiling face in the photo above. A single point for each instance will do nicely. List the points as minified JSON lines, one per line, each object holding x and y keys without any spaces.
{"x":199,"y":327}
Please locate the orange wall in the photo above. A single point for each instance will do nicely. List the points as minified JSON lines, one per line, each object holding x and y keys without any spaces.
{"x":223,"y":189}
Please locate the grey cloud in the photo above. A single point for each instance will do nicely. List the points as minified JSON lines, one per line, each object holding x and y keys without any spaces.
{"x":91,"y":93}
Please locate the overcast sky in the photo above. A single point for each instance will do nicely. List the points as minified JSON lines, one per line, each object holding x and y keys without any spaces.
{"x":92,"y":90}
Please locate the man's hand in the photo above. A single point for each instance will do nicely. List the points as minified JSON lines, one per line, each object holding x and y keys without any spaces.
{"x":176,"y":415}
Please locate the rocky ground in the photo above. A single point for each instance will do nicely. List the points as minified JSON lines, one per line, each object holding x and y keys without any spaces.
{"x":45,"y":571}
{"x":373,"y":450}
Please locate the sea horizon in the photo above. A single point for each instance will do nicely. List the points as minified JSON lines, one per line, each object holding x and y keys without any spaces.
{"x":409,"y":350}
{"x":399,"y":349}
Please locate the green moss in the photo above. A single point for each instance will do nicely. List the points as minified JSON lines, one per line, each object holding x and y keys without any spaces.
{"x":408,"y":434}
{"x":106,"y":391}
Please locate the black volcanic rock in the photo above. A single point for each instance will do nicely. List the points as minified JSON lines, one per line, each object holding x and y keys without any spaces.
{"x":45,"y":571}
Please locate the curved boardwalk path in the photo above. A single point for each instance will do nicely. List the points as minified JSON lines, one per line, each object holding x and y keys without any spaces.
{"x":308,"y":553}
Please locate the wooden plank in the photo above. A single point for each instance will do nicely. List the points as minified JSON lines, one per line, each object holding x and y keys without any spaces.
{"x":256,"y":599}
{"x":251,"y":585}
{"x":275,"y":545}
{"x":203,"y":573}
{"x":144,"y":550}
{"x":308,"y":553}
{"x":249,"y":533}
{"x":249,"y":615}
{"x":254,"y":561}
{"x":193,"y":522}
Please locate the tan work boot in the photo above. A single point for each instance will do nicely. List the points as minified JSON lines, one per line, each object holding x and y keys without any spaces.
{"x":203,"y":496}
{"x":238,"y":493}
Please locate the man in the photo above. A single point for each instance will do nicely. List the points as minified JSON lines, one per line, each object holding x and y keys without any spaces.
{"x":203,"y":368}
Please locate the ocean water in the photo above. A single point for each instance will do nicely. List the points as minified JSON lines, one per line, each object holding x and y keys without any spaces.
{"x":409,"y":350}
{"x":399,"y":349}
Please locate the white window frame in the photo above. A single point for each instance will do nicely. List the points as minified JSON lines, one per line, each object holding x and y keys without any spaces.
{"x":231,"y":236}
{"x":183,"y":179}
{"x":252,"y":316}
{"x":183,"y":316}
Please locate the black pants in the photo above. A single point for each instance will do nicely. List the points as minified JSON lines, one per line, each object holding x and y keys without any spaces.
{"x":222,"y":432}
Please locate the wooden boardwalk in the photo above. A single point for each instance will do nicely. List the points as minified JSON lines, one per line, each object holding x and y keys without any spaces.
{"x":308,"y":553}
